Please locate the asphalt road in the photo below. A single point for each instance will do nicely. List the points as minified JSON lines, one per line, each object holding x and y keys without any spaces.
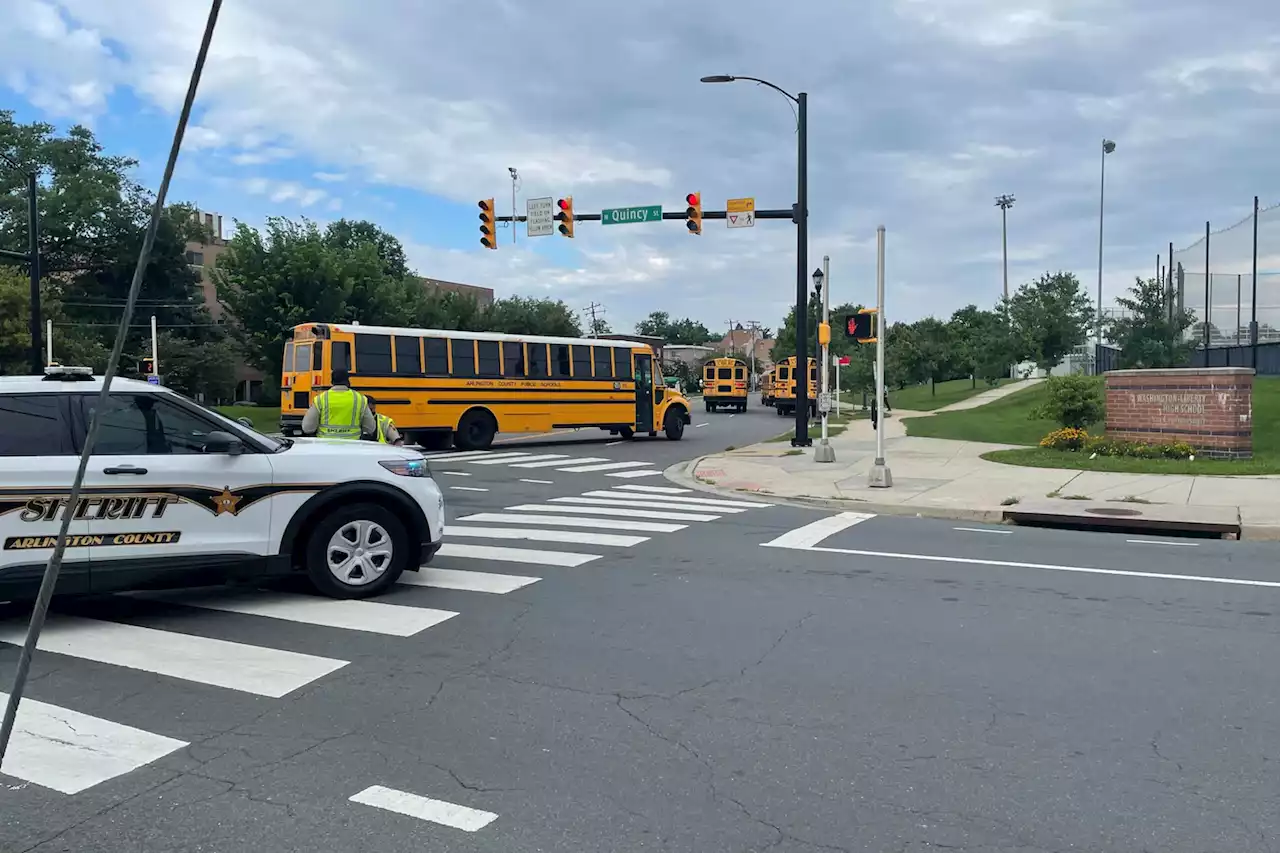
{"x":748,"y":681}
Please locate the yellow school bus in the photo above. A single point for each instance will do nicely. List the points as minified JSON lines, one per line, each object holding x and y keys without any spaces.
{"x":724,"y":384}
{"x":784,"y":390}
{"x":463,"y":388}
{"x":766,"y":386}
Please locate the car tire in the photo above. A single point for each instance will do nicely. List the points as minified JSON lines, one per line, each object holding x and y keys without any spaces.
{"x":673,"y":426}
{"x":376,"y":544}
{"x":475,"y":431}
{"x":627,"y":433}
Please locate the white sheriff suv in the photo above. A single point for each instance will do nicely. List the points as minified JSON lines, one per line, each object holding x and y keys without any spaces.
{"x":178,"y":495}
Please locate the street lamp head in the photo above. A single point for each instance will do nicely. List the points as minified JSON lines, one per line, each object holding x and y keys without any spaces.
{"x":1004,"y":202}
{"x":1108,"y":146}
{"x":817,"y":279}
{"x":719,"y":78}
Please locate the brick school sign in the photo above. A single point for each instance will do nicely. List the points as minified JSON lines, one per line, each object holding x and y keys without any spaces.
{"x":1209,"y":408}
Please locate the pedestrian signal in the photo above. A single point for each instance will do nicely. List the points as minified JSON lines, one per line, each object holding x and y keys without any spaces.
{"x":861,"y":326}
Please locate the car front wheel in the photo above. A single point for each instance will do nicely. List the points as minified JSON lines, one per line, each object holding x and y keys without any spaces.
{"x":357,"y":551}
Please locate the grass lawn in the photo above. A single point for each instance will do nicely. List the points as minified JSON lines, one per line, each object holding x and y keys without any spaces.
{"x":918,"y":398}
{"x":1006,"y":421}
{"x":265,"y":418}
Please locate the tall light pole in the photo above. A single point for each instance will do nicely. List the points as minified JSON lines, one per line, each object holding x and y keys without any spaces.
{"x":1004,"y":202}
{"x":515,"y":176}
{"x":801,"y":218}
{"x":1107,"y":147}
{"x":32,"y":258}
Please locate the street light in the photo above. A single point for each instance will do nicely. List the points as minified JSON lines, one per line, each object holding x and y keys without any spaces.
{"x":801,"y":218}
{"x":32,"y":258}
{"x":1107,"y":147}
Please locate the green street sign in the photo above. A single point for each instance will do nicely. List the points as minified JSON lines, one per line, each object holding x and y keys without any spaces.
{"x":628,"y":215}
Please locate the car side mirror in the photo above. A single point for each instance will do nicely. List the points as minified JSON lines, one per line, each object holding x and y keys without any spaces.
{"x":245,"y":422}
{"x":223,"y":442}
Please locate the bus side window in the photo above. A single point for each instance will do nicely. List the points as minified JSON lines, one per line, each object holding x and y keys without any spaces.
{"x":537,"y":361}
{"x":373,"y":354}
{"x":464,"y":358}
{"x":408,"y":359}
{"x":604,"y":362}
{"x":490,"y":363}
{"x":436,"y":351}
{"x":340,"y":355}
{"x":512,"y":358}
{"x":317,"y":356}
{"x":560,"y":361}
{"x":581,"y":362}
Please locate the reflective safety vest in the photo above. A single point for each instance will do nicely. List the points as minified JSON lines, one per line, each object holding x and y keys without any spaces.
{"x":340,"y":414}
{"x":384,"y":427}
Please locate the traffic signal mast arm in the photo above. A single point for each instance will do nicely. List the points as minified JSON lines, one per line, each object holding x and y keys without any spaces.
{"x":667,"y":214}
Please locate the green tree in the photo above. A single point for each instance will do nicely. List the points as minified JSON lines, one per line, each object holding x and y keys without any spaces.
{"x":522,"y":315}
{"x":598,"y":326}
{"x":1051,"y":316}
{"x":983,"y":343}
{"x":1150,"y":335}
{"x":687,"y":332}
{"x":349,"y":235}
{"x":198,"y":367}
{"x":655,"y":325}
{"x":71,"y":343}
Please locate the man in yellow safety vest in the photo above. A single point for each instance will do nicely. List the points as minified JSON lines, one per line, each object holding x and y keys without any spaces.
{"x":386,"y":432}
{"x":339,"y":412}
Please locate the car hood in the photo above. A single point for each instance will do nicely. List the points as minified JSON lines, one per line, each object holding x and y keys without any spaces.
{"x":348,"y":447}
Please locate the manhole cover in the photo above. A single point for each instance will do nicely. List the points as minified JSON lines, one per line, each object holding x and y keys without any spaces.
{"x":1107,"y":510}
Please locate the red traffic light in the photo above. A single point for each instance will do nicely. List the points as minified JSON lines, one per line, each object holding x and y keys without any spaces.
{"x":692,"y":199}
{"x":563,"y":204}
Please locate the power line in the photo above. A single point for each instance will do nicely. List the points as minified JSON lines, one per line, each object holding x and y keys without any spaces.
{"x":592,"y":310}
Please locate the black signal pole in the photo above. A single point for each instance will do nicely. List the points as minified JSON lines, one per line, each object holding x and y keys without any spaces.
{"x":32,"y":259}
{"x":801,"y":218}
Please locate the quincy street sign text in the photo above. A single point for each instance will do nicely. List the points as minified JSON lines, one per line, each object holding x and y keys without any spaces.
{"x":628,"y":215}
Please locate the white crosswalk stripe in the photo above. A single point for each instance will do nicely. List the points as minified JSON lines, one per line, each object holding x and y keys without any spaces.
{"x":656,"y":490}
{"x":630,"y":474}
{"x":677,"y":500}
{"x":544,"y":464}
{"x":607,"y":466}
{"x":573,"y":537}
{"x":467,"y":581}
{"x":572,"y":521}
{"x":622,"y":501}
{"x":614,"y":511}
{"x":517,"y":555}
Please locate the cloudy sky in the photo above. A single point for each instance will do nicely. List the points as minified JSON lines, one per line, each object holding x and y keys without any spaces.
{"x":406,"y":112}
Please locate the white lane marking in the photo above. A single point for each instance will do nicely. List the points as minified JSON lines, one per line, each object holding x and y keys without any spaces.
{"x":643,"y":504}
{"x":926,"y":558}
{"x":1158,"y":542}
{"x":623,"y":513}
{"x":468,"y":489}
{"x":455,"y":454}
{"x":700,"y":426}
{"x":478,"y":454}
{"x":374,"y":617}
{"x":466,"y":581}
{"x":732,"y":416}
{"x":580,"y":461}
{"x":516,"y":555}
{"x":983,"y":530}
{"x":572,"y":521}
{"x":574,"y":537}
{"x":506,"y":459}
{"x":657,"y":490}
{"x":630,"y":474}
{"x":69,"y":752}
{"x":583,"y":469}
{"x":235,"y":666}
{"x":539,"y":482}
{"x":424,"y":808}
{"x":456,"y":473}
{"x":678,"y":502}
{"x":803,"y":538}
{"x":613,"y":443}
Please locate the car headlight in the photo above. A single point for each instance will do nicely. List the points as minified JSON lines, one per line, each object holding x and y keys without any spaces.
{"x":407,"y":467}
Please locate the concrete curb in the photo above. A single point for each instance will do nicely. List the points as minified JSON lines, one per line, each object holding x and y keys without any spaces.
{"x":681,"y":474}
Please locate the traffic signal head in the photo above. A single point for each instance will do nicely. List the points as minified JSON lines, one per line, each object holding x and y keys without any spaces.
{"x":861,"y":326}
{"x":488,"y":227}
{"x":147,"y":367}
{"x":565,"y":215}
{"x":693,"y":214}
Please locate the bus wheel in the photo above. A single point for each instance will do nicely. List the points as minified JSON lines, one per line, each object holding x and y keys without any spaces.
{"x":673,"y":426}
{"x":626,"y":432}
{"x":475,"y":431}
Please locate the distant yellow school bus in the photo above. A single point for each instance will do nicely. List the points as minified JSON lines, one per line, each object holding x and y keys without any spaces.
{"x":766,"y":386}
{"x":463,"y":388}
{"x":784,"y":390}
{"x":724,"y":384}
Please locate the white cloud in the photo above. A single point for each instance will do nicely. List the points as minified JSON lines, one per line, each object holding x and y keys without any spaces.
{"x":923,"y":113}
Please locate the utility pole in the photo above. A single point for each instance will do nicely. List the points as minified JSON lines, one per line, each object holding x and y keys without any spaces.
{"x":754,"y":326}
{"x":591,"y":311}
{"x":515,"y":176}
{"x":733,"y":350}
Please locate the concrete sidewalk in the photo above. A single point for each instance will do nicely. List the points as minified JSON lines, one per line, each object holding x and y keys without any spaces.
{"x":948,"y":479}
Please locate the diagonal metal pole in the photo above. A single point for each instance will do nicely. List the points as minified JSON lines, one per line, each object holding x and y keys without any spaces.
{"x":51,"y":571}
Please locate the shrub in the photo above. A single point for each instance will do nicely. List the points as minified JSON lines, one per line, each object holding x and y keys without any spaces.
{"x":1072,"y":401}
{"x":1067,"y":438}
{"x":1104,"y":446}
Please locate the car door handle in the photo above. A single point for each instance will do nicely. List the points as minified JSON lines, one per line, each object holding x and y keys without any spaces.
{"x":124,"y":469}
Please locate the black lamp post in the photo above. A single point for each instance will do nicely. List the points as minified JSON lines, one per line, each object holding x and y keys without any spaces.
{"x":32,"y":258}
{"x":801,"y":219}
